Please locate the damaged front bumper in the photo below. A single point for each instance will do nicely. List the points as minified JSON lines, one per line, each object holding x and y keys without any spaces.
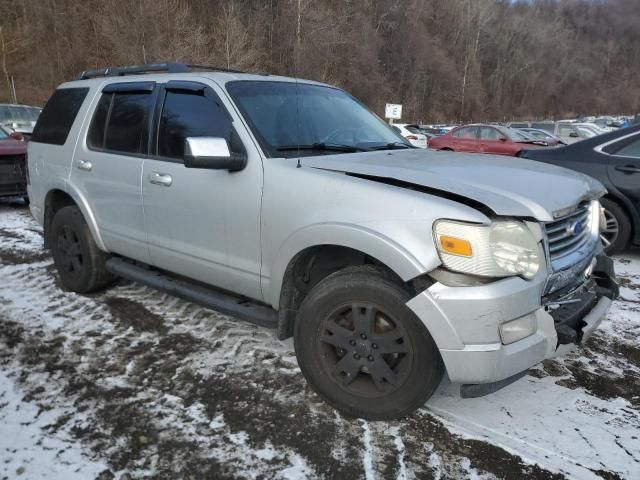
{"x":465,"y":322}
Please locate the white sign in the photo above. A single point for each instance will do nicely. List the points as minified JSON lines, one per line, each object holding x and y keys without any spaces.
{"x":393,"y":111}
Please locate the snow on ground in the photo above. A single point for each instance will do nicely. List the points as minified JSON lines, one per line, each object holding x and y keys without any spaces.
{"x":133,"y":383}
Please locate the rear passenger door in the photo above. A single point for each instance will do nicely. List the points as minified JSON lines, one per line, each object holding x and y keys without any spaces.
{"x":465,"y":140}
{"x":201,"y":223}
{"x":624,"y":167}
{"x":107,"y":167}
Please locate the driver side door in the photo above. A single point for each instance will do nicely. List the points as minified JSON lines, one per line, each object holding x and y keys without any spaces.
{"x":202,"y":223}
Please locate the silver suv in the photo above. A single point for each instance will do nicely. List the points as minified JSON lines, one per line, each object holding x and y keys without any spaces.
{"x":288,"y":203}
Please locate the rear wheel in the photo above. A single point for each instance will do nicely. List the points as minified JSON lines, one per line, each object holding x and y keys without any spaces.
{"x":616,"y":231}
{"x":79,"y":261}
{"x":362,"y":349}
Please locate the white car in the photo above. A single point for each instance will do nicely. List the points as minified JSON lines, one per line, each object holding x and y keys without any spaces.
{"x":412,"y":133}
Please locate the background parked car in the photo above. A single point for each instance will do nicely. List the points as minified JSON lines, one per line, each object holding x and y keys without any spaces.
{"x":546,"y":125}
{"x":19,"y":118}
{"x":485,"y":139}
{"x":412,"y":133}
{"x":572,"y":132}
{"x":543,"y":135}
{"x":614,"y":160}
{"x":13,"y":168}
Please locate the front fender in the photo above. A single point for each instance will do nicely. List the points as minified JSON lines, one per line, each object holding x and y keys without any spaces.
{"x":372,"y":243}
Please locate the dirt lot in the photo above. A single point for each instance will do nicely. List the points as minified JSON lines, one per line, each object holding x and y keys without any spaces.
{"x":132,"y":383}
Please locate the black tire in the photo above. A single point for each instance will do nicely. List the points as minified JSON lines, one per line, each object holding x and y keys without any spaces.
{"x":615,"y":218}
{"x":446,"y":149}
{"x":395,"y":367}
{"x":26,"y":201}
{"x":80,"y":263}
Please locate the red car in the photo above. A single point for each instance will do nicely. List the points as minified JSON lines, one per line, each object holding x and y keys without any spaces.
{"x":486,"y":139}
{"x":13,"y":165}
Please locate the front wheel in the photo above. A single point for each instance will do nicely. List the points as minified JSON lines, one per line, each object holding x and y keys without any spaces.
{"x":362,"y":349}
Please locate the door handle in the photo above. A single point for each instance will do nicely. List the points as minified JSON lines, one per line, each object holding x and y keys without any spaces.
{"x":628,"y":169}
{"x":162,"y":179}
{"x":84,"y":165}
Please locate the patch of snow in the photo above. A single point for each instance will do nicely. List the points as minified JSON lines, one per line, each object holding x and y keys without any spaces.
{"x":29,"y":450}
{"x":367,"y":454}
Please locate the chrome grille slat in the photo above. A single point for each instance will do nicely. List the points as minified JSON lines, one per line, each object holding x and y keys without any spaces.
{"x":561,"y":238}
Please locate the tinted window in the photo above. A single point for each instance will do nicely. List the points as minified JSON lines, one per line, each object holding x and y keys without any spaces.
{"x":630,"y":149}
{"x":126,"y":125}
{"x":465,"y":133}
{"x":519,"y":125}
{"x":190,"y":114}
{"x":488,"y":133}
{"x":58,"y":116}
{"x":95,"y":138}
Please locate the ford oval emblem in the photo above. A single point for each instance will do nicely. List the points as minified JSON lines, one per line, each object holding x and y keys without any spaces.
{"x":576,"y":228}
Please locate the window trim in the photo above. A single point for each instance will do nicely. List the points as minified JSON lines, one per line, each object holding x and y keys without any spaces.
{"x":175,"y":86}
{"x":625,"y":140}
{"x":150,"y":112}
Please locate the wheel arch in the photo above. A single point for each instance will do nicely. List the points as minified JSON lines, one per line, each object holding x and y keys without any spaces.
{"x":56,"y":199}
{"x":316,"y":252}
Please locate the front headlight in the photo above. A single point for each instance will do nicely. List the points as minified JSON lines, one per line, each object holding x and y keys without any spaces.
{"x":502,"y":249}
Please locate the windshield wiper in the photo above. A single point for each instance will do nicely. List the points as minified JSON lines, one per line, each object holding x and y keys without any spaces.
{"x":392,"y":146}
{"x":326,"y":147}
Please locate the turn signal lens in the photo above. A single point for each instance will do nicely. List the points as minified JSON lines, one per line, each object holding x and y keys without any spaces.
{"x":455,"y":246}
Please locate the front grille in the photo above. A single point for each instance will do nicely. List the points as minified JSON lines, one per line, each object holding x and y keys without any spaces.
{"x":13,"y":178}
{"x":569,"y":233}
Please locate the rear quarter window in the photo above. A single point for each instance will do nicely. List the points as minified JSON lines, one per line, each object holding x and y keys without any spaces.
{"x":58,"y":115}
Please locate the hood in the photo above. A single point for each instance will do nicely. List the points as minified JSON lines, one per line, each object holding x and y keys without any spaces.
{"x":12,"y":147}
{"x":506,"y":185}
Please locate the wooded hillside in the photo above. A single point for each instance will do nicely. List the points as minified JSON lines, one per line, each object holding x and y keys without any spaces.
{"x":444,"y":60}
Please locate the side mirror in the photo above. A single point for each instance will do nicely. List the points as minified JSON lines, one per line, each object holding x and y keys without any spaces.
{"x":503,"y":139}
{"x":211,"y":153}
{"x":574,"y":135}
{"x":16,"y":136}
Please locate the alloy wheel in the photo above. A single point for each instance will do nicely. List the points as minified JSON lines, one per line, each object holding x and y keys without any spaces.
{"x":70,"y":251}
{"x":610,"y":230}
{"x":364,"y":350}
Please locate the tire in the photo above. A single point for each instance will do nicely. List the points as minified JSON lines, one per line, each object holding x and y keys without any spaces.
{"x":616,"y":232}
{"x":26,"y":201}
{"x":446,"y":149}
{"x":79,"y":261}
{"x":379,"y":373}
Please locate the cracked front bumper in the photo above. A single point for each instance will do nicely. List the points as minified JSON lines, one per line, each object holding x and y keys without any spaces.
{"x":464,"y":322}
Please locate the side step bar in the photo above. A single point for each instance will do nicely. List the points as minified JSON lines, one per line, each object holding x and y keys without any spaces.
{"x":207,"y":297}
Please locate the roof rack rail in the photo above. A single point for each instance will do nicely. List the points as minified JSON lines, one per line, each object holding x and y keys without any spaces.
{"x":167,"y":67}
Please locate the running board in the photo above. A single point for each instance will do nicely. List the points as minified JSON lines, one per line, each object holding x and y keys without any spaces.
{"x":206,"y":296}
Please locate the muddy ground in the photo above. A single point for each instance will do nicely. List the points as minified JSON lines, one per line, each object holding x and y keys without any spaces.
{"x":133,"y":383}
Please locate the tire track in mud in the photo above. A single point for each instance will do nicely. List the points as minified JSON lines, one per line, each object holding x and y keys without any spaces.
{"x":159,"y":386}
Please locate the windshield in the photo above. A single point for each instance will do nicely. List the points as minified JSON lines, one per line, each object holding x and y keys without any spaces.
{"x":586,"y":132}
{"x":3,"y":134}
{"x":284,"y":115}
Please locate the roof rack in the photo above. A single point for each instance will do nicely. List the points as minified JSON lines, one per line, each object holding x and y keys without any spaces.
{"x":168,"y":67}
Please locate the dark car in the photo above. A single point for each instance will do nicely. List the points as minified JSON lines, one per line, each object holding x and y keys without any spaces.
{"x":13,"y":166}
{"x":613,"y":159}
{"x":494,"y":139}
